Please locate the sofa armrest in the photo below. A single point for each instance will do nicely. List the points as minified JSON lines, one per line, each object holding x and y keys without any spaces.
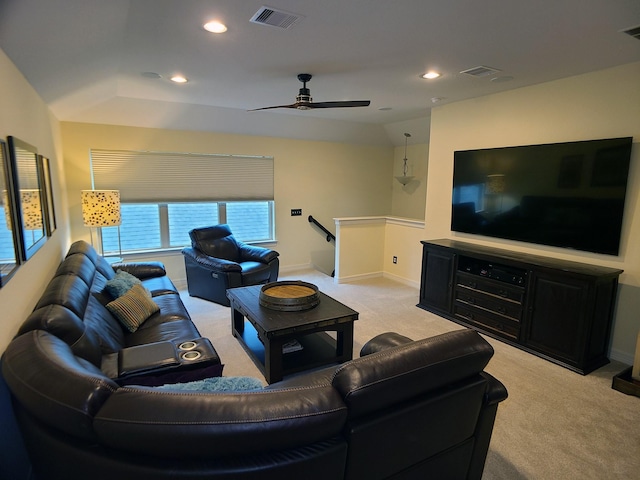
{"x":141,"y":270}
{"x":382,"y":342}
{"x":496,"y":391}
{"x":215,"y":264}
{"x":389,"y":377}
{"x":251,"y":253}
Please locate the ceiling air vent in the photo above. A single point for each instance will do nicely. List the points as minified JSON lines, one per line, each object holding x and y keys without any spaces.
{"x":275,"y":18}
{"x":633,"y":31}
{"x":480,"y":71}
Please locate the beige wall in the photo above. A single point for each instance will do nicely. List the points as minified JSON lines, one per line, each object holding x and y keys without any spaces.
{"x":603,"y":104}
{"x":24,"y":115}
{"x":324,"y":179}
{"x":366,"y":247}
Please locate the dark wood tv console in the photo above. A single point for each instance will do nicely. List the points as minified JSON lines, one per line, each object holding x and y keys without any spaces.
{"x":556,"y":309}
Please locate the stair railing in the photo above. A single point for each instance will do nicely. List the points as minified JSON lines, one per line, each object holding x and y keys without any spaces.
{"x":330,"y":236}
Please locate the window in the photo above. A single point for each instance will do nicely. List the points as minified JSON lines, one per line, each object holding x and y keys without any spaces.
{"x":164,"y":226}
{"x":164,"y":195}
{"x":186,"y":216}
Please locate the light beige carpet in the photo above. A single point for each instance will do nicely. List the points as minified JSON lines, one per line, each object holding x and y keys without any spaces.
{"x":556,"y":424}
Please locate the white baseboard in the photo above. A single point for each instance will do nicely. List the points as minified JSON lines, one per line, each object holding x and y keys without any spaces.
{"x":294,"y":268}
{"x":356,"y":278}
{"x":404,"y":281}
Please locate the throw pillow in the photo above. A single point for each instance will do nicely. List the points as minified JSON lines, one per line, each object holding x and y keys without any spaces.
{"x":134,"y":307}
{"x":217,"y":384}
{"x":121,"y":283}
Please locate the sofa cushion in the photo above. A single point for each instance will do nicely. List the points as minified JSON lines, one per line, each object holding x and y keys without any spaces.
{"x":134,"y":307}
{"x":159,"y":286}
{"x":121,"y":283}
{"x":179,"y":330}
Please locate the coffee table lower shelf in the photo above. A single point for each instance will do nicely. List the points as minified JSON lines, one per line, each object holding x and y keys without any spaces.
{"x":318,"y":349}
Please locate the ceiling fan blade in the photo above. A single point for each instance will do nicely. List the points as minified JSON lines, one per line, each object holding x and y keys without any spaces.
{"x":342,"y":104}
{"x":303,"y":100}
{"x":293,"y":105}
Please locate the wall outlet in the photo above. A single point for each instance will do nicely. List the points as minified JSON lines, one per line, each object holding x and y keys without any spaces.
{"x":395,"y":259}
{"x":296,"y":212}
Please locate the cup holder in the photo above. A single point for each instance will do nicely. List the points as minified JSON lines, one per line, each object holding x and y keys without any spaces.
{"x":184,"y":346}
{"x":191,"y":355}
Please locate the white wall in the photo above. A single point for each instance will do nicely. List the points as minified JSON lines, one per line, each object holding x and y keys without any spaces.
{"x":24,"y":115}
{"x":602,"y":104}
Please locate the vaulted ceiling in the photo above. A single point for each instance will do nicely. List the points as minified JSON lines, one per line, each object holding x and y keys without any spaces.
{"x":109,"y":61}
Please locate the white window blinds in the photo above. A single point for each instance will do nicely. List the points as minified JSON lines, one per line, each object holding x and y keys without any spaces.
{"x":166,"y":176}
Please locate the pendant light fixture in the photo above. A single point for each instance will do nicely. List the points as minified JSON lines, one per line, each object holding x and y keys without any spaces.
{"x":404,"y":179}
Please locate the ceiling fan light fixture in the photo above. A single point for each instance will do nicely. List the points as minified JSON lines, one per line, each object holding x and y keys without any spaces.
{"x":405,"y":179}
{"x":215,"y":26}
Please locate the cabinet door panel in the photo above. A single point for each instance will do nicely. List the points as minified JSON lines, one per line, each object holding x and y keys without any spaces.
{"x":557,"y":320}
{"x":437,"y":275}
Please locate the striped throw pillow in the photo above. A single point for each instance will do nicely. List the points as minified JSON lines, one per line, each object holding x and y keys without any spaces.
{"x":134,"y":307}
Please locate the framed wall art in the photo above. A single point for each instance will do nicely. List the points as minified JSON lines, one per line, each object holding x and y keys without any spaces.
{"x":9,"y":240}
{"x":29,"y":197}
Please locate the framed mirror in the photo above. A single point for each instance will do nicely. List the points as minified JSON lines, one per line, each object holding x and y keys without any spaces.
{"x":45,"y":174}
{"x":29,"y":197}
{"x":9,"y":252}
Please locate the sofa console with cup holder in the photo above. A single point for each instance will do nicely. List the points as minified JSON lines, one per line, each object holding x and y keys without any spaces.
{"x":404,"y":409}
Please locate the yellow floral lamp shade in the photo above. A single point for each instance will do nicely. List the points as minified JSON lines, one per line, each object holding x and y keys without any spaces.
{"x":101,"y":208}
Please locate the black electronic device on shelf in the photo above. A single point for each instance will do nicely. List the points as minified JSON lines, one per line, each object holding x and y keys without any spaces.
{"x":501,"y":273}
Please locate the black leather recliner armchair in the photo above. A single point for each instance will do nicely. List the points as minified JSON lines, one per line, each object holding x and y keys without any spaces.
{"x":216,"y":261}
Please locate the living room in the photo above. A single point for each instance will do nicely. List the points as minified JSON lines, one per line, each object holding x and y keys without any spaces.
{"x":329,"y":179}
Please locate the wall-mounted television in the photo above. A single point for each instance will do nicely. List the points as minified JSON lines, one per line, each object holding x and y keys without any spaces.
{"x":567,"y":195}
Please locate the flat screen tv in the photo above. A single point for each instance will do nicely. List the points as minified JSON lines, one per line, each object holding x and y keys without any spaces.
{"x":567,"y":195}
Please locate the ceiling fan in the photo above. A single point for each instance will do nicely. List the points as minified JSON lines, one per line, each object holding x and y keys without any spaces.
{"x":305,"y":102}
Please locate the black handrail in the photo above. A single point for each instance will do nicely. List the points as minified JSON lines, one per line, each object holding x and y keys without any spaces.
{"x":330,"y":236}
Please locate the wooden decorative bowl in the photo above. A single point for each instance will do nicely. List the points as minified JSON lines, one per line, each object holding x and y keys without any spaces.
{"x":289,"y":296}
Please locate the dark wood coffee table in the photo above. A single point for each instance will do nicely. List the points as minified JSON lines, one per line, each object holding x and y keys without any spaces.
{"x":265,"y":331}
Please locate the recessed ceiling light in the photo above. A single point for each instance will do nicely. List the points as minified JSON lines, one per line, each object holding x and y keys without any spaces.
{"x":430,"y":75}
{"x":151,"y":75}
{"x":179,"y":79}
{"x":215,"y":27}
